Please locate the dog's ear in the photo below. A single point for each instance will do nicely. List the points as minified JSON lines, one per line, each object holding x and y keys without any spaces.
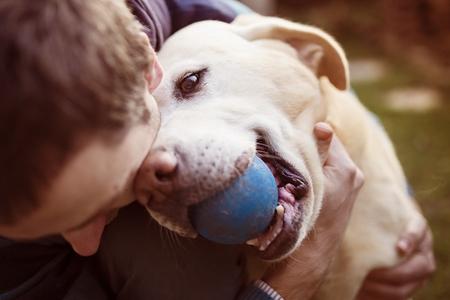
{"x":317,"y":50}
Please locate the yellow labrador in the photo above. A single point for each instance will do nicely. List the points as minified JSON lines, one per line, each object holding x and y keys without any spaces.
{"x":257,"y":87}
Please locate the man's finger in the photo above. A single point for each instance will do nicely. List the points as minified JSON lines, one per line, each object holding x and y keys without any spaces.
{"x":412,"y":237}
{"x":376,"y":291}
{"x":324,"y":135}
{"x":339,"y":163}
{"x":419,"y":267}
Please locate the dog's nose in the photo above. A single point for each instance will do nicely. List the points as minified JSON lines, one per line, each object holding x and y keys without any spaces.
{"x":157,"y":173}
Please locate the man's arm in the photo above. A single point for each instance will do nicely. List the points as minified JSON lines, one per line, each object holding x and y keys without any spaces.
{"x":161,"y":18}
{"x":402,"y":281}
{"x":155,"y":18}
{"x":185,"y":12}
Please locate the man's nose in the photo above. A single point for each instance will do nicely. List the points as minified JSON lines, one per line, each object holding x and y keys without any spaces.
{"x":158,"y":173}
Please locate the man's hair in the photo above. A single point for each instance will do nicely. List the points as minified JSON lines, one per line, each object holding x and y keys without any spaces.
{"x":68,"y":68}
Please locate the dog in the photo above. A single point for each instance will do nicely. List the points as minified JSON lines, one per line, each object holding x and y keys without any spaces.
{"x":254,"y":87}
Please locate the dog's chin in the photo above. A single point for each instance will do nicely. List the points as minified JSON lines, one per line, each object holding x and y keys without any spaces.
{"x":183,"y":229}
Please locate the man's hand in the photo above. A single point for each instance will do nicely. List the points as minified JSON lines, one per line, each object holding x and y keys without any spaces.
{"x":402,"y":281}
{"x":302,"y":273}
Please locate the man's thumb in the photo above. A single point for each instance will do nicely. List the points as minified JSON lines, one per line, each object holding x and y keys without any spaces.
{"x":324,"y":135}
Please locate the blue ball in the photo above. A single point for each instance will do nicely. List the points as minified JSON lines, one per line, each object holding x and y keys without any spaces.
{"x":242,"y":211}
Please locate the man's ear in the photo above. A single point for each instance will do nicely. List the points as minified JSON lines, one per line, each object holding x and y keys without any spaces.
{"x":315,"y":48}
{"x":155,"y":72}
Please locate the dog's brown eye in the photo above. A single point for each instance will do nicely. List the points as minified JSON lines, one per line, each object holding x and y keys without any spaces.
{"x":189,"y":84}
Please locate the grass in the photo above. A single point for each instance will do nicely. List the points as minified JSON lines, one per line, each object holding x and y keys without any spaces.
{"x":422,"y":141}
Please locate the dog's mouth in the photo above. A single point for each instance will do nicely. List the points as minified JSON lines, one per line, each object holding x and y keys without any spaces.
{"x":282,"y":235}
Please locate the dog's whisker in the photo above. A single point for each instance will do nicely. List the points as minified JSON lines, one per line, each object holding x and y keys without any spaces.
{"x":238,"y":172}
{"x":165,"y":237}
{"x":170,"y":239}
{"x":176,"y":239}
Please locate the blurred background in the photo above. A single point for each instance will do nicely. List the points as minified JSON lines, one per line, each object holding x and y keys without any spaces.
{"x":399,"y":53}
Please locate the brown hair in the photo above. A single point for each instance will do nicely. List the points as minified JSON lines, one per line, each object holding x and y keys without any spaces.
{"x":68,"y":68}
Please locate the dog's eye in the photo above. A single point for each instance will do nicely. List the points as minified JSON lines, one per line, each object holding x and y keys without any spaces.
{"x":190,"y":83}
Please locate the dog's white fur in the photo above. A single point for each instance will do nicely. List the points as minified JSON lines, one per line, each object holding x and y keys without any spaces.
{"x":263,"y":76}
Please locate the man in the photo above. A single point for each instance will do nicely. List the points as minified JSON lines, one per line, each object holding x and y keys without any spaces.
{"x":78,"y":119}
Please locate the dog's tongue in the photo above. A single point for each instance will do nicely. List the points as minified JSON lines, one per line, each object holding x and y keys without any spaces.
{"x":86,"y":240}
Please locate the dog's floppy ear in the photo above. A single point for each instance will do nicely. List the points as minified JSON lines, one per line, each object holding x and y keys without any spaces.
{"x":318,"y":50}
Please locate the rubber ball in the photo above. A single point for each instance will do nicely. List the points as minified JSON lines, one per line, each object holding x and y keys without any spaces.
{"x":242,"y":211}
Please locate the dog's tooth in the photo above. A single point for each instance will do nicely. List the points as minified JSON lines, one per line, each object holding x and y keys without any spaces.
{"x":280,"y":210}
{"x":274,"y":235}
{"x":279,"y":221}
{"x":253,"y":242}
{"x":264,"y":246}
{"x":278,"y":230}
{"x":263,"y":241}
{"x":270,"y":239}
